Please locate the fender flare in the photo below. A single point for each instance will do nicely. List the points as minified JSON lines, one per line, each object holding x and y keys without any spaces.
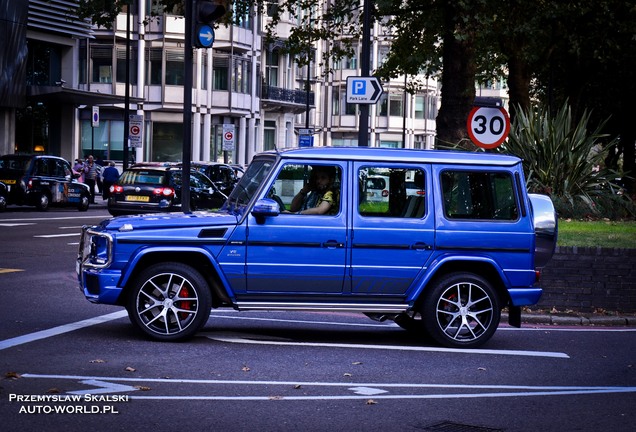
{"x":431,"y":271}
{"x":131,"y":266}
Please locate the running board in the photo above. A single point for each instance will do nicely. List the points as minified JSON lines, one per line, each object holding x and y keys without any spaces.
{"x":330,"y":307}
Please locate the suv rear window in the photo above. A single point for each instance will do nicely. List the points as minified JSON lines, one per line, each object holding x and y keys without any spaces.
{"x":479,"y":195}
{"x":144,"y":177}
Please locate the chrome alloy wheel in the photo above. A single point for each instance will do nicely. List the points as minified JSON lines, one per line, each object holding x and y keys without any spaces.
{"x":171,"y":304}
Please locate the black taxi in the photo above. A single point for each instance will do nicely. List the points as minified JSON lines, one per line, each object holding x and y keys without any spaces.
{"x":42,"y":181}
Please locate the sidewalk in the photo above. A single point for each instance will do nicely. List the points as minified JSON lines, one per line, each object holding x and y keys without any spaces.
{"x":572,"y":318}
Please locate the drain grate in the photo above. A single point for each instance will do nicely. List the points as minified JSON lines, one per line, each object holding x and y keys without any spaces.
{"x":458,"y":427}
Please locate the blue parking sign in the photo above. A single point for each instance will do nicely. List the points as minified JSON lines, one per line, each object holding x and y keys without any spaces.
{"x":359,"y":87}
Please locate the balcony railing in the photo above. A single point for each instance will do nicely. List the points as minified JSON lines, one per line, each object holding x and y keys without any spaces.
{"x":287,"y":96}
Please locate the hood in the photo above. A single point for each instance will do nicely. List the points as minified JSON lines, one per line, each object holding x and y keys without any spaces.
{"x":170,"y":220}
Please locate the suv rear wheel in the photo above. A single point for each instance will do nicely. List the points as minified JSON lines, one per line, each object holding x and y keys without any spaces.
{"x":169,"y":301}
{"x":461,"y":310}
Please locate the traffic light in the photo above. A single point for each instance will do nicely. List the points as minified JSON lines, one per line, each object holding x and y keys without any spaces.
{"x":205,"y":13}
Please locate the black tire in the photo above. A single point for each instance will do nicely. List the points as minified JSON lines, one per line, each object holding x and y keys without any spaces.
{"x":43,"y":202}
{"x":461,"y":310}
{"x":84,"y":203}
{"x":3,"y":204}
{"x":169,"y":301}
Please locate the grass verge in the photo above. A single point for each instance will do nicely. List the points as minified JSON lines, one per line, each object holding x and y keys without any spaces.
{"x":608,"y":234}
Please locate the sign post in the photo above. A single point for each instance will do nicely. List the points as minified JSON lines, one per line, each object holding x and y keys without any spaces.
{"x":488,"y":126}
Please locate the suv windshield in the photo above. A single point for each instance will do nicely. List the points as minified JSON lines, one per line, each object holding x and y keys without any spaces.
{"x":248,"y":185}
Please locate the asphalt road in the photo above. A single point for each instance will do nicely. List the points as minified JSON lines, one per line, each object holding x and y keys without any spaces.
{"x":74,"y":366}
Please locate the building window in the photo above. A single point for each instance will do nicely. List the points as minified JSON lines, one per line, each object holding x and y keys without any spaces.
{"x":121,"y":65}
{"x":335,"y":101}
{"x":242,"y":73}
{"x":383,"y":105}
{"x":174,"y":68}
{"x":167,"y":142}
{"x":102,"y":64}
{"x":204,"y":70}
{"x":396,"y":105}
{"x":269,"y":135}
{"x":221,"y":76}
{"x":104,"y":142}
{"x":153,"y":66}
{"x":349,"y":61}
{"x":419,"y":107}
{"x":271,"y":68}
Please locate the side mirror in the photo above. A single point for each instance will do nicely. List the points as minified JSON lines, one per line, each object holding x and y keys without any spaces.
{"x":265,"y":207}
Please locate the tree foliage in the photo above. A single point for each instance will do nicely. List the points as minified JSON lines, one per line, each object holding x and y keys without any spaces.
{"x":549,"y":51}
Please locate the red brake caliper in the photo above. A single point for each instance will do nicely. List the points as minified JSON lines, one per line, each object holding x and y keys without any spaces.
{"x":187,"y":305}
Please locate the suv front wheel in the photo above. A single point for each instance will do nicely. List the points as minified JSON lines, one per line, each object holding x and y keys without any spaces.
{"x":169,"y":301}
{"x":461,"y":310}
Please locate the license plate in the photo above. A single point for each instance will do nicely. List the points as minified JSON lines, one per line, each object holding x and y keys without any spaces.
{"x":9,"y":182}
{"x":137,"y":198}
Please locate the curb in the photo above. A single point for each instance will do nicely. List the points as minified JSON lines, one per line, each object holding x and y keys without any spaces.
{"x":575,"y":320}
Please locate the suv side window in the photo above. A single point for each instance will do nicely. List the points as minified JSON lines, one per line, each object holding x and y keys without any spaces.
{"x":392,"y":192}
{"x":479,"y":195}
{"x":293,"y":179}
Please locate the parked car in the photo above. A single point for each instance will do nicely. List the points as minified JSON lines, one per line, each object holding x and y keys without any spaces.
{"x":377,"y":188}
{"x":3,"y":196}
{"x":222,"y":175}
{"x":156,"y":187}
{"x":42,"y":181}
{"x":442,"y":264}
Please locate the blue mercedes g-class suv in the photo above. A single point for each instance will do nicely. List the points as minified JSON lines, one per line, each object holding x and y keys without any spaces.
{"x":441,"y":257}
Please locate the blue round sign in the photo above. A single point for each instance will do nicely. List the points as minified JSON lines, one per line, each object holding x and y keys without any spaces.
{"x":205,"y":35}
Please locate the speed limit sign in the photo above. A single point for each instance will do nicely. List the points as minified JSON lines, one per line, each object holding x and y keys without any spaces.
{"x":488,"y":126}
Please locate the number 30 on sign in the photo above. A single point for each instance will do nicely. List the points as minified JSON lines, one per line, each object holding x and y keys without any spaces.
{"x":488,"y":126}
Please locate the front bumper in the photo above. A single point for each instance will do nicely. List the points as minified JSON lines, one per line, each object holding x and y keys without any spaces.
{"x":97,"y":281}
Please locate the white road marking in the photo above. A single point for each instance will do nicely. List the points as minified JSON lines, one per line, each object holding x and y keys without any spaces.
{"x":15,"y":224}
{"x":477,"y":391}
{"x":57,"y":235}
{"x":35,"y":220}
{"x":103,"y":387}
{"x":471,"y":351}
{"x":8,"y":343}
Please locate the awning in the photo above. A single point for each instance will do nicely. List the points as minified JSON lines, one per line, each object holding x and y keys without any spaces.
{"x":68,"y":96}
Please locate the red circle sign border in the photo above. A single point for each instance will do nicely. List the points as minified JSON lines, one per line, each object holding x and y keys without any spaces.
{"x":474,"y":139}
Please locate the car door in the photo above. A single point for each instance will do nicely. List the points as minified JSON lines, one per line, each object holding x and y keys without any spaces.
{"x":293,"y":253}
{"x":392,"y":240}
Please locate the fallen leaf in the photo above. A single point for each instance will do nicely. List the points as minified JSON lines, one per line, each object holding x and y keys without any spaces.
{"x":12,"y":375}
{"x":53,"y":390}
{"x":297,"y":386}
{"x":356,"y":363}
{"x":246,"y":369}
{"x":142,"y":388}
{"x":130,"y":369}
{"x":275,"y":398}
{"x":371,"y":402}
{"x":481,"y":368}
{"x":347,"y":374}
{"x":97,"y":361}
